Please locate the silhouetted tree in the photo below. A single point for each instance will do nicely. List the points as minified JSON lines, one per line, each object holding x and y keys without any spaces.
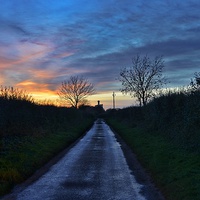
{"x":195,"y":82}
{"x":75,"y":91}
{"x":10,"y":93}
{"x":143,"y":78}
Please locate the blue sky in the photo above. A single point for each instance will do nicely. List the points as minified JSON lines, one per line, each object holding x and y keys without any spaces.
{"x":44,"y":42}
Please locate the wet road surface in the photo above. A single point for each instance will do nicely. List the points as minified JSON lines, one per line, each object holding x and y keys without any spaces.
{"x":94,"y":169}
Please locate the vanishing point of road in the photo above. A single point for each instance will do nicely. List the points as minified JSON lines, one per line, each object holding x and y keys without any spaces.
{"x":95,"y":168}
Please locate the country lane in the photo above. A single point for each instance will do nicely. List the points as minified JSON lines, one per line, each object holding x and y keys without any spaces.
{"x":94,"y":169}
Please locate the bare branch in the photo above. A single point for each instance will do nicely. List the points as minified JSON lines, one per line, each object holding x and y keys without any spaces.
{"x":75,"y":91}
{"x":195,"y":83}
{"x":143,"y":78}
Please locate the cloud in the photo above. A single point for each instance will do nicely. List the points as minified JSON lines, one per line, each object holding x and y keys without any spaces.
{"x":43,"y":43}
{"x":11,"y":32}
{"x":37,"y":90}
{"x":21,"y":52}
{"x":63,"y":55}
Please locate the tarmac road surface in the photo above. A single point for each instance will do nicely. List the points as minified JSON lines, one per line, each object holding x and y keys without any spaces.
{"x":94,"y":169}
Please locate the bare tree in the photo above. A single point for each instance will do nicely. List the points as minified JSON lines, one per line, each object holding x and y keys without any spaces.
{"x":195,"y":82}
{"x":10,"y":93}
{"x":75,"y":91}
{"x":143,"y":78}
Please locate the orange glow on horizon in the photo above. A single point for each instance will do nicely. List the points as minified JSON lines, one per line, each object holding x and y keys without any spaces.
{"x":41,"y":92}
{"x":32,"y":86}
{"x":106,"y":99}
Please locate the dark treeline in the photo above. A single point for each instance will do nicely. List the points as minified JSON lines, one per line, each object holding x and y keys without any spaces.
{"x":19,"y":115}
{"x":21,"y":118}
{"x":165,"y":136}
{"x":31,"y":134}
{"x":18,"y":118}
{"x":174,"y":115}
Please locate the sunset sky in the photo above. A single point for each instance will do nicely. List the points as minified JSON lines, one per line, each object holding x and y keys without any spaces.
{"x":44,"y":42}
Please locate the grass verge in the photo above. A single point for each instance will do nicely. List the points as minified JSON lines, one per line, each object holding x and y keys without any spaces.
{"x":175,"y":171}
{"x":27,"y":154}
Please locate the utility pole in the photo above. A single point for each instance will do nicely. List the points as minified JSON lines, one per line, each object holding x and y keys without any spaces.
{"x":113,"y":99}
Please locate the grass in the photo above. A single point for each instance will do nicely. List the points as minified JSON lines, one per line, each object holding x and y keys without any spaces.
{"x":174,"y":170}
{"x":27,"y":154}
{"x":31,"y":134}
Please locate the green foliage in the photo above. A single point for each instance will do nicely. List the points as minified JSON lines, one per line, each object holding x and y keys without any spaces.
{"x":22,"y":156}
{"x":176,"y":116}
{"x":31,"y":134}
{"x":175,"y":171}
{"x":165,"y":135}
